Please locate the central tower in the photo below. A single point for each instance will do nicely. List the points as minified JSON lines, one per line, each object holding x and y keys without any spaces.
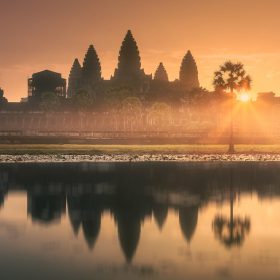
{"x":129,"y":65}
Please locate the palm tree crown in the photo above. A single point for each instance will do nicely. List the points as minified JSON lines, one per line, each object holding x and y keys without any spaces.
{"x":232,"y":76}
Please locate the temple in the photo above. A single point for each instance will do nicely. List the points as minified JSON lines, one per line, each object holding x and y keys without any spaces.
{"x":129,"y":74}
{"x":46,"y":81}
{"x":189,"y":72}
{"x":88,"y":90}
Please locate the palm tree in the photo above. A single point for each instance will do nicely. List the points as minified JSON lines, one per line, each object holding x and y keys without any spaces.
{"x":232,"y":77}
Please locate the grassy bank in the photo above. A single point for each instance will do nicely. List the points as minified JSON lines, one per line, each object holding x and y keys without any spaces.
{"x":20,"y":149}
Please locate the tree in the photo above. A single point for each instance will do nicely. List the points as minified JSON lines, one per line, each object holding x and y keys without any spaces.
{"x":232,"y":77}
{"x":197,"y":96}
{"x":159,"y":112}
{"x":132,"y":105}
{"x":132,"y":109}
{"x":189,"y":72}
{"x":161,"y":74}
{"x":49,"y":101}
{"x":114,"y":96}
{"x":83,"y":101}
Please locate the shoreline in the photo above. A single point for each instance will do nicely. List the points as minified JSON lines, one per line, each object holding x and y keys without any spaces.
{"x":107,"y":158}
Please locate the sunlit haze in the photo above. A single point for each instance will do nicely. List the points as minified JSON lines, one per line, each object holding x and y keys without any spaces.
{"x":38,"y":35}
{"x":244,"y":97}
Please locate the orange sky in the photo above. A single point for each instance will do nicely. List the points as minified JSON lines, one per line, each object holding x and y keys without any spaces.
{"x":38,"y":35}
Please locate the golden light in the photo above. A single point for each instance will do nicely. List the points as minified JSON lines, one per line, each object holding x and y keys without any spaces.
{"x":244,"y":97}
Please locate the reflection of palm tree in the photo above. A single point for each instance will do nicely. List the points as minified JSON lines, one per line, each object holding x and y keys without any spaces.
{"x":232,"y":231}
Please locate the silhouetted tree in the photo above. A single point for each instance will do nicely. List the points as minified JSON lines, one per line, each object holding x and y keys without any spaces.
{"x":189,"y":72}
{"x":232,"y":77}
{"x":197,"y":96}
{"x":114,"y":96}
{"x":75,"y":79}
{"x":49,"y":101}
{"x":159,"y":112}
{"x":161,"y":74}
{"x":132,"y":106}
{"x":132,"y":110}
{"x":83,"y":101}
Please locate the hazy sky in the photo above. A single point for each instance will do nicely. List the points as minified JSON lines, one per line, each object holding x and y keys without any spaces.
{"x":37,"y":35}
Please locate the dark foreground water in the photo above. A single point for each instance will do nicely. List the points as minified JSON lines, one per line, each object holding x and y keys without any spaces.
{"x":140,"y":221}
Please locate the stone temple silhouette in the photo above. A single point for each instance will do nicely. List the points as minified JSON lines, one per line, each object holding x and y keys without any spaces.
{"x":129,"y":72}
{"x":46,"y":81}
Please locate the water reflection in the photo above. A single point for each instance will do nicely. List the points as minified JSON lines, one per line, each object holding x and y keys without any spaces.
{"x":231,"y":231}
{"x":135,"y":193}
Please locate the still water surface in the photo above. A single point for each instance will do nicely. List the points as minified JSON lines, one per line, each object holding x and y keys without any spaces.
{"x":140,"y":221}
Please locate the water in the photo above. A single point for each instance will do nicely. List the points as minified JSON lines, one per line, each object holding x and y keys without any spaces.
{"x":140,"y":221}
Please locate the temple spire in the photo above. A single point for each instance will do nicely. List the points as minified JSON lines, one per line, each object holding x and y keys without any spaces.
{"x":129,"y":65}
{"x":74,"y":81}
{"x":161,"y":74}
{"x":91,"y":70}
{"x":189,"y":72}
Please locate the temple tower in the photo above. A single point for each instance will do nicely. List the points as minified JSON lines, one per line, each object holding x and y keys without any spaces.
{"x":75,"y":79}
{"x":91,"y":71}
{"x":129,"y":65}
{"x":189,"y":72}
{"x":161,"y":74}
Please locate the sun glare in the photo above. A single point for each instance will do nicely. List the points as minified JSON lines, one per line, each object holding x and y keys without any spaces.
{"x":244,"y":97}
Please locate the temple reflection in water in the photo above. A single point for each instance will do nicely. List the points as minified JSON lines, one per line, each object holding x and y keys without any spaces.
{"x":132,"y":195}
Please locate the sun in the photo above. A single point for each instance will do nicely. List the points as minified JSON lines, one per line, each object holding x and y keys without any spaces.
{"x":244,"y":97}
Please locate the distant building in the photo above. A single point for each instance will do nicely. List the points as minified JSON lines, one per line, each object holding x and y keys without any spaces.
{"x":3,"y":100}
{"x":46,"y":81}
{"x":268,"y":97}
